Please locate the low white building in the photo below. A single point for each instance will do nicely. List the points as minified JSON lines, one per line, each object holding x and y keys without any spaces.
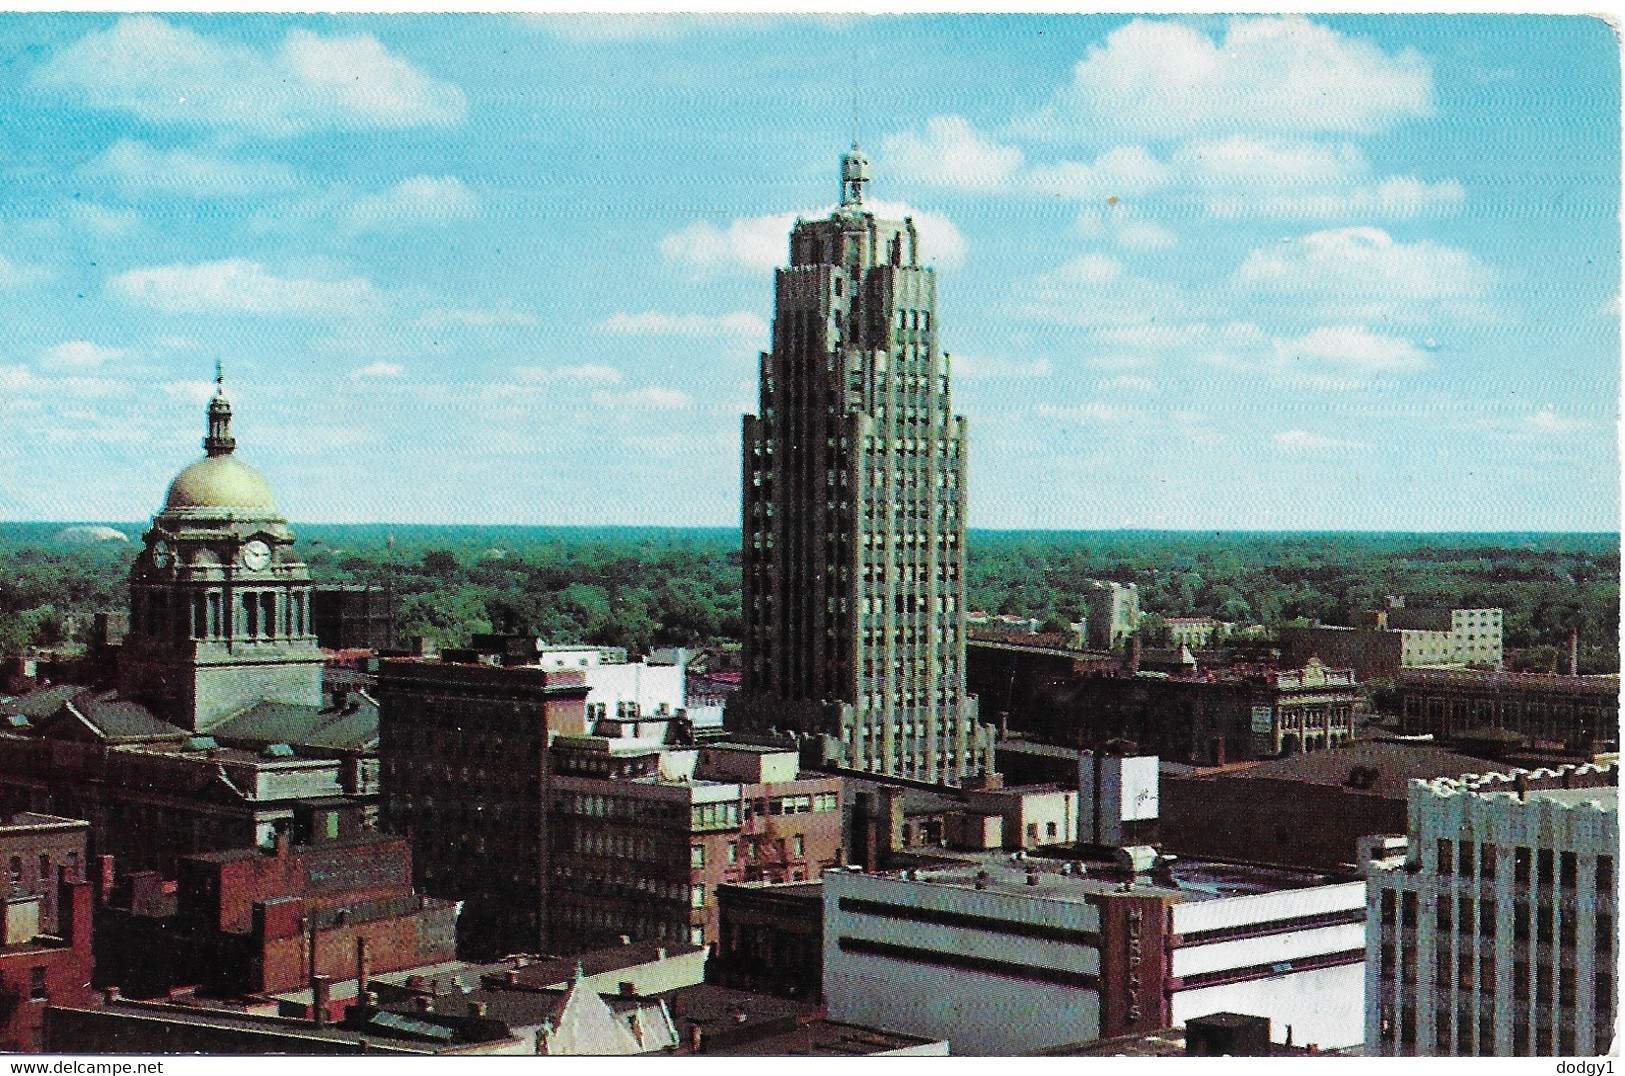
{"x":1495,"y":932}
{"x":1002,"y":956}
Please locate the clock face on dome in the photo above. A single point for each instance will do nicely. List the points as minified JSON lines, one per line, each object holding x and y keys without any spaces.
{"x":160,"y":554}
{"x":256,"y":555}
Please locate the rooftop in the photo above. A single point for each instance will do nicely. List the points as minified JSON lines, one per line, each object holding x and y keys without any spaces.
{"x":1380,"y":767}
{"x":1062,"y":880}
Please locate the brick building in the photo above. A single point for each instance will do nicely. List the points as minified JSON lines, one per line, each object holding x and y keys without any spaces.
{"x":641,"y":837}
{"x":1579,"y":714}
{"x":771,"y":938}
{"x":245,"y":922}
{"x":464,"y":749}
{"x":1223,"y":715}
{"x":1302,"y":810}
{"x":46,"y":949}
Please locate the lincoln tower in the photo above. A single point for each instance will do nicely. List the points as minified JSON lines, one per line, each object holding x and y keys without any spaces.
{"x":854,"y":509}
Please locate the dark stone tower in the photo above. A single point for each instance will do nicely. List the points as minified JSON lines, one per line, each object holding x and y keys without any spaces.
{"x":219,"y":602}
{"x":854,"y":510}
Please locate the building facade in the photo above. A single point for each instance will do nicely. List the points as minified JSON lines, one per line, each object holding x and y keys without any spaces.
{"x":854,"y":509}
{"x":219,"y":601}
{"x":641,"y":837}
{"x":1111,"y":613}
{"x":1578,"y":713}
{"x":1496,"y":933}
{"x":1005,"y":958}
{"x":464,"y":751}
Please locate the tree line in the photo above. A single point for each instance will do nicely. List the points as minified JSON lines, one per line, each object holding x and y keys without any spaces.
{"x":645,"y":587}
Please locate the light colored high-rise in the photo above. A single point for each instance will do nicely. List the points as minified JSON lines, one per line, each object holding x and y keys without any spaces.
{"x":1111,"y":611}
{"x":854,"y":509}
{"x":1495,"y":934}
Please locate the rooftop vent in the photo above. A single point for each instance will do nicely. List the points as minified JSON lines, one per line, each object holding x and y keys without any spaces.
{"x":278,"y":750}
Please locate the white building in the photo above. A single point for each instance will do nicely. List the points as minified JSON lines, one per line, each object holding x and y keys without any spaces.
{"x":1111,"y":612}
{"x":1496,"y":933}
{"x":1002,"y":956}
{"x":1473,"y":638}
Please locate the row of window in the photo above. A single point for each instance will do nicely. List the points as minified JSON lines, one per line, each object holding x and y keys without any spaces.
{"x":753,"y":849}
{"x":1467,"y":859}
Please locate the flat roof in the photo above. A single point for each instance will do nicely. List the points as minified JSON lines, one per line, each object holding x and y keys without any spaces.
{"x":1180,"y":879}
{"x":1605,"y":796}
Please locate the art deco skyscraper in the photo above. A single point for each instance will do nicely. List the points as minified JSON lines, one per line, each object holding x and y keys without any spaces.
{"x":854,"y":509}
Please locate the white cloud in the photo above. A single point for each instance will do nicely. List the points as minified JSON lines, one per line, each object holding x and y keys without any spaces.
{"x":952,"y":154}
{"x":1549,"y":422}
{"x":189,"y":391}
{"x":1363,"y":274}
{"x":650,"y":397}
{"x":1097,"y":290}
{"x":168,"y":74}
{"x":761,"y":244}
{"x":591,"y":373}
{"x":1164,"y":79}
{"x":104,"y":220}
{"x":1285,"y":179}
{"x":15,"y":380}
{"x":1127,"y":383}
{"x":738,"y":325}
{"x":1308,"y":441}
{"x":13,"y":275}
{"x":379,"y":369}
{"x":1123,"y":172}
{"x":141,"y":169}
{"x":240,"y":286}
{"x":78,"y":355}
{"x":1349,"y":348}
{"x":411,"y":202}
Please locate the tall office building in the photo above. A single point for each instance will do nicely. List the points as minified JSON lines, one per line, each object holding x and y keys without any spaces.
{"x":854,"y":509}
{"x":1495,"y":934}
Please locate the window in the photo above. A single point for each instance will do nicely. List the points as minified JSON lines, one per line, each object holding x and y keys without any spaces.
{"x":733,"y":853}
{"x":37,"y":989}
{"x":1486,"y":861}
{"x":1521,"y":858}
{"x":1605,"y":874}
{"x":696,"y":856}
{"x":799,"y":844}
{"x":1050,"y":829}
{"x":1543,"y":872}
{"x":696,"y":896}
{"x":696,"y":935}
{"x":16,"y":872}
{"x":1464,"y":862}
{"x":1447,"y":861}
{"x":1568,"y":870}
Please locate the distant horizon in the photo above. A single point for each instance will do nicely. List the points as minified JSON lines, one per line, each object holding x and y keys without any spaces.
{"x":720,"y":528}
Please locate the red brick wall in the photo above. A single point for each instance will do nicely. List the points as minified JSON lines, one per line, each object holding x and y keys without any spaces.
{"x":392,"y":945}
{"x":349,"y":873}
{"x":1265,"y":820}
{"x":67,"y":976}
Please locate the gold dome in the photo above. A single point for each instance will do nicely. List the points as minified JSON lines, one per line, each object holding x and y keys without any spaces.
{"x":219,"y":482}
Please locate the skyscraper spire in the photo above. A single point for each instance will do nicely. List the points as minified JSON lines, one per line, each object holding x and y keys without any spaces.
{"x":854,"y":174}
{"x":219,"y":441}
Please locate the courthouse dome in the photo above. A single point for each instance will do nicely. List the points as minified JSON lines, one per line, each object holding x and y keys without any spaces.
{"x":219,"y":482}
{"x":219,"y":479}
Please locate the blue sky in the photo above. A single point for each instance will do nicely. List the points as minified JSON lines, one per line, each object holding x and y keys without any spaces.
{"x":1264,"y":272}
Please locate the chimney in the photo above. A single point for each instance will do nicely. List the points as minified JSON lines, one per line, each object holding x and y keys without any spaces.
{"x":1134,"y":654}
{"x":1574,"y":651}
{"x":660,"y":953}
{"x":320,"y":995}
{"x":1520,"y":782}
{"x":104,"y":879}
{"x":513,"y":978}
{"x":281,"y":846}
{"x":696,"y":1039}
{"x":360,"y":967}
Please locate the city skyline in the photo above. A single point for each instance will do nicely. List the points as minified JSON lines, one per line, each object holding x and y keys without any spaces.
{"x":1189,"y":287}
